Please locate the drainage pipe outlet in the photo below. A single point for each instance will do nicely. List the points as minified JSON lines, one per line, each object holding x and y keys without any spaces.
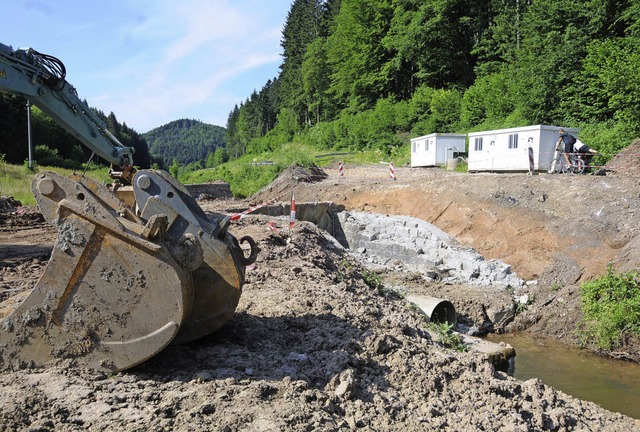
{"x":438,"y":310}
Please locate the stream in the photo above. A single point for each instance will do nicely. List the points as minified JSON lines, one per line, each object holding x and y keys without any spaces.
{"x":612,"y":384}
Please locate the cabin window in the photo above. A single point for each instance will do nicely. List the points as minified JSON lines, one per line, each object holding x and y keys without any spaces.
{"x":414,"y":147}
{"x":513,"y":141}
{"x":477,"y":144}
{"x":426,"y":145}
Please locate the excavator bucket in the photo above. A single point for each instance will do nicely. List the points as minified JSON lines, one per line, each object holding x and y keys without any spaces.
{"x":218,"y":274}
{"x":122,"y":283}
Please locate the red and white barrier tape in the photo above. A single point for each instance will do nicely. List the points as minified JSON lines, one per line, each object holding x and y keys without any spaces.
{"x":254,"y":208}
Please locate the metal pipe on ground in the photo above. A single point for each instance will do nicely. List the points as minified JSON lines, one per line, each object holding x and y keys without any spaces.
{"x":438,"y":310}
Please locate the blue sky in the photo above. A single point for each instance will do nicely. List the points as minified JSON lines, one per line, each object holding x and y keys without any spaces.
{"x":154,"y":61}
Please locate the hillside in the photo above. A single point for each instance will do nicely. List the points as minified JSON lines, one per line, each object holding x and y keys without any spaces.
{"x":184,"y":140}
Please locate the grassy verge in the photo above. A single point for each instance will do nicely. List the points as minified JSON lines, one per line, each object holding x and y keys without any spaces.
{"x":15,"y":180}
{"x":250,"y":173}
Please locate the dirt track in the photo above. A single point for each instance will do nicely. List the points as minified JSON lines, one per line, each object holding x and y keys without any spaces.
{"x":313,"y":347}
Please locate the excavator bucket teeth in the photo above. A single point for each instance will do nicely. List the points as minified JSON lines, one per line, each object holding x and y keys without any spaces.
{"x":108,"y":299}
{"x":219,"y":274}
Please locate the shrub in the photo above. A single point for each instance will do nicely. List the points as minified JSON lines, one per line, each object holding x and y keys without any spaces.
{"x":607,"y":137}
{"x":610,"y":308}
{"x":49,"y":156}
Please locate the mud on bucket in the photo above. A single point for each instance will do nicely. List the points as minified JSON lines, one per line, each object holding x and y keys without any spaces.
{"x":438,"y":310}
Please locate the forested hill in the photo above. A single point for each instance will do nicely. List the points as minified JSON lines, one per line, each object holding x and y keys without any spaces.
{"x":184,"y":140}
{"x":369,"y":74}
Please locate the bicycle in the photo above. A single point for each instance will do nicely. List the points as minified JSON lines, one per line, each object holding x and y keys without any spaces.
{"x":559,"y":164}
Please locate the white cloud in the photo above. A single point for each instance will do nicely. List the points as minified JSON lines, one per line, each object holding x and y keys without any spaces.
{"x":154,"y":61}
{"x":187,"y":69}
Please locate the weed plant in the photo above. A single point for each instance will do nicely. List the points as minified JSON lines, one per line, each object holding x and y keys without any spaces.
{"x":446,"y":336}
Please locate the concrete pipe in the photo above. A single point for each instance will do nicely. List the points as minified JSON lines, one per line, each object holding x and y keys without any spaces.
{"x":438,"y":310}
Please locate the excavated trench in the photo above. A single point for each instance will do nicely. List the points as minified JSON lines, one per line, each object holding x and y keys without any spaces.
{"x":410,"y":245}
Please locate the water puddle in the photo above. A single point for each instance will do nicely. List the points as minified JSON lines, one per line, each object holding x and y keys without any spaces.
{"x":614,"y":385}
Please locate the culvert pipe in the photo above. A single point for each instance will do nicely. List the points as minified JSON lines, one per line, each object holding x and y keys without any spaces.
{"x":438,"y":310}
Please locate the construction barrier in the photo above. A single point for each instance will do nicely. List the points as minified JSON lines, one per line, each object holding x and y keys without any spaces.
{"x":392,"y":171}
{"x":292,"y":216}
{"x":254,"y":208}
{"x":341,"y":169}
{"x":532,"y":164}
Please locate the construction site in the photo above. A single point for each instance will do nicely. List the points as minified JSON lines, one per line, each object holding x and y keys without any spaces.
{"x":324,"y":336}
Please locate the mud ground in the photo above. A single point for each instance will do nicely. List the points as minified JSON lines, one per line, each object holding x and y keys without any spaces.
{"x":314,"y":346}
{"x":555,"y":230}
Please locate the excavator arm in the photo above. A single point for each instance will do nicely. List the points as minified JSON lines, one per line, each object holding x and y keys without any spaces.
{"x":126,"y":277}
{"x":41,"y":79}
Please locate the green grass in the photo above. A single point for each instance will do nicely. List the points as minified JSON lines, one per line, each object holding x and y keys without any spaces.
{"x":462,"y":167}
{"x":15,"y":180}
{"x":610,"y":308}
{"x":246,"y":175}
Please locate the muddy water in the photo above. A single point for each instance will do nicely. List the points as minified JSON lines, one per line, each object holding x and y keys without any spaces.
{"x":614,"y":385}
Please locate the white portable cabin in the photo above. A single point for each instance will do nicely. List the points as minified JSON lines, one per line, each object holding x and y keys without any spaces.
{"x":508,"y":149}
{"x":436,"y":148}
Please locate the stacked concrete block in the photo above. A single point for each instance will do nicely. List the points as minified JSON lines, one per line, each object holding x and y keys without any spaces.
{"x":422,"y":247}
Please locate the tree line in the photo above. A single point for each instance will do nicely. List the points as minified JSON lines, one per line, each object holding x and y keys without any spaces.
{"x":52,"y":145}
{"x":368,"y":74}
{"x":185,"y":141}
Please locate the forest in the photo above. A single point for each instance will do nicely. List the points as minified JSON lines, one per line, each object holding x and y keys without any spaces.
{"x":370,"y":74}
{"x":52,"y":144}
{"x":185,"y":141}
{"x":362,"y":75}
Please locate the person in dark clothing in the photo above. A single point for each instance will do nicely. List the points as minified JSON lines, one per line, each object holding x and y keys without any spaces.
{"x":567,"y":142}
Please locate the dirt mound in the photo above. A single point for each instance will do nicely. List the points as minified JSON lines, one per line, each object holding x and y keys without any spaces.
{"x":8,"y":204}
{"x":315,"y":345}
{"x":627,"y":161}
{"x":312,"y":347}
{"x":287,"y":180}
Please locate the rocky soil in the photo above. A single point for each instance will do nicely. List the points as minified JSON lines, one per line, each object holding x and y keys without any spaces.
{"x":555,"y":230}
{"x":316,"y":346}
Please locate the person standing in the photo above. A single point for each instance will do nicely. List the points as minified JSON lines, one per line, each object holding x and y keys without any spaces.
{"x":567,"y":141}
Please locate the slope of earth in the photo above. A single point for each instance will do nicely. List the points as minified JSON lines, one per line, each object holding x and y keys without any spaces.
{"x":312,"y":347}
{"x":555,"y":230}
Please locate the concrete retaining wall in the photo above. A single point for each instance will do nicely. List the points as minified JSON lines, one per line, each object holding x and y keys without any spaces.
{"x":391,"y":241}
{"x":210,"y":190}
{"x":422,"y":247}
{"x":322,"y":214}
